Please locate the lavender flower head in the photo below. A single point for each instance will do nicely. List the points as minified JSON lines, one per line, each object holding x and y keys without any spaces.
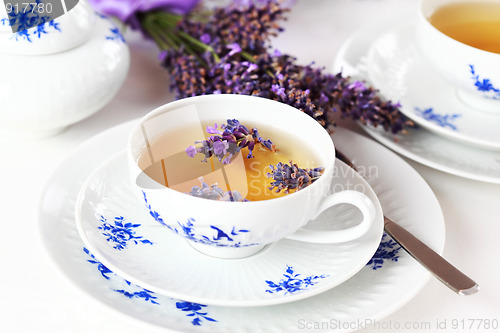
{"x":228,"y":141}
{"x":289,"y":177}
{"x":213,"y":192}
{"x":237,"y":59}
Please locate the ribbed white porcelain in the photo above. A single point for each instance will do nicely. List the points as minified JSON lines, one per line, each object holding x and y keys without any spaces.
{"x":42,"y":94}
{"x":372,"y":294}
{"x":120,"y":232}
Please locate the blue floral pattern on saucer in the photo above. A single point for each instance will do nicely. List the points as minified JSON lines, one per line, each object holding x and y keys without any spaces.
{"x":387,"y":251}
{"x":193,"y":310}
{"x":100,"y":267}
{"x":484,"y":85}
{"x":144,"y":294}
{"x":105,"y":202}
{"x":439,"y":119}
{"x":121,"y":233}
{"x":293,"y":282}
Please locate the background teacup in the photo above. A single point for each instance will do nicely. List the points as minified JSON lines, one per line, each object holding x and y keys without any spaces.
{"x":239,"y":229}
{"x":469,"y":58}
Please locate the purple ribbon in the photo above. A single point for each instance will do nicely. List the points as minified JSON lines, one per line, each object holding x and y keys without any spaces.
{"x":126,"y":10}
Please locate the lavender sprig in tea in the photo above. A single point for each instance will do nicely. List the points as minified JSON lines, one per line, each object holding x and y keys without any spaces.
{"x":228,"y":141}
{"x":214,"y":192}
{"x":290,"y":177}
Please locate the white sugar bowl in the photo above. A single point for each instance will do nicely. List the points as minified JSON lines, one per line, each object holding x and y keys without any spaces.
{"x":57,"y":74}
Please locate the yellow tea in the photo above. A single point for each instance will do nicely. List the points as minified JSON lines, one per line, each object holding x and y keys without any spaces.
{"x":475,"y":23}
{"x":247,"y":176}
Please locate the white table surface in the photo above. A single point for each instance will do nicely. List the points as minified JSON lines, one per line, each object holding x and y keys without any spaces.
{"x":36,"y":298}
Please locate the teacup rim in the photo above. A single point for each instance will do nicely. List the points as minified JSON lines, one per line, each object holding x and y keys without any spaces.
{"x":328,"y":169}
{"x":421,"y":16}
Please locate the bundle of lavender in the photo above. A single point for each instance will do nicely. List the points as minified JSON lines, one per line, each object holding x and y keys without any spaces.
{"x":227,"y":50}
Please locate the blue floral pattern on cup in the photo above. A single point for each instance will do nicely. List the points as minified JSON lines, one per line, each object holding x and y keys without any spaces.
{"x":208,"y":236}
{"x":292,"y":282}
{"x":484,"y":85}
{"x":443,"y":120}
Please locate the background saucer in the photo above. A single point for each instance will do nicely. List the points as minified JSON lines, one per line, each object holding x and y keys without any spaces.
{"x":451,"y":157}
{"x":419,"y":144}
{"x":119,"y":231}
{"x":398,"y":69}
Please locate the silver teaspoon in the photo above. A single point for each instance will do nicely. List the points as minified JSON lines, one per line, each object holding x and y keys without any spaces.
{"x":437,"y":265}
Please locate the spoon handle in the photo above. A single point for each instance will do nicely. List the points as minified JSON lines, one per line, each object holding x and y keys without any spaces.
{"x":437,"y":265}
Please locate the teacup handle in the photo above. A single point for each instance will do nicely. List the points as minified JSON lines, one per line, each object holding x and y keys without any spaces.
{"x":359,"y":200}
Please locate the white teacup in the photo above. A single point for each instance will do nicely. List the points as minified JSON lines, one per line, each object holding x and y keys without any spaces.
{"x":238,"y":229}
{"x":473,"y":71}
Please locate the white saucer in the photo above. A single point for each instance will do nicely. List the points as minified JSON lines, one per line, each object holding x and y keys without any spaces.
{"x":380,"y":288}
{"x":398,"y":69}
{"x":119,"y":231}
{"x":419,"y":144}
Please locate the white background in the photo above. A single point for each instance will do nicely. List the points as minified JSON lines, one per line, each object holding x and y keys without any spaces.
{"x":35,"y":298}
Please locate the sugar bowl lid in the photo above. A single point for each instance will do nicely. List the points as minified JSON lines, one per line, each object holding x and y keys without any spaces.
{"x":29,"y":28}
